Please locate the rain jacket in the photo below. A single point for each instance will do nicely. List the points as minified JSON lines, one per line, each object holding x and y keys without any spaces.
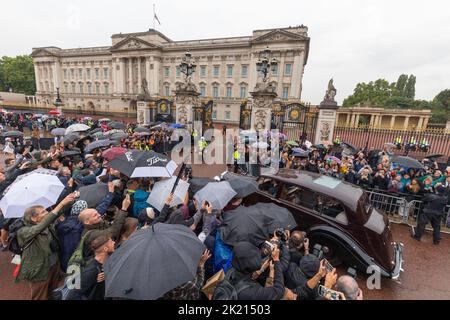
{"x":36,"y":264}
{"x":140,"y":202}
{"x":69,"y":232}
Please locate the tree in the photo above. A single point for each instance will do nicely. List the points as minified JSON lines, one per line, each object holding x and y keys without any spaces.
{"x":443,"y":99}
{"x":401,"y":84}
{"x":410,"y":88}
{"x":17,"y":73}
{"x":376,"y":93}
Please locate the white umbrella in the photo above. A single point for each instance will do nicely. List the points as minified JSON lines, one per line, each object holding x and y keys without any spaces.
{"x":217,"y":193}
{"x":104,"y":120}
{"x":77,"y":127}
{"x":260,"y":145}
{"x":161,"y":190}
{"x":38,"y":188}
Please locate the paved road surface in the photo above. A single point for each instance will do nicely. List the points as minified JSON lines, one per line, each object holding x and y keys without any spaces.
{"x":425,"y":276}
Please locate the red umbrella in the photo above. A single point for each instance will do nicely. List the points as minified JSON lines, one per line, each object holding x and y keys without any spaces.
{"x":53,"y":112}
{"x":113,"y":153}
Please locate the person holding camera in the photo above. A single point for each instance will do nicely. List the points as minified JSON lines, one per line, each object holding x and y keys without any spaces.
{"x":40,"y":261}
{"x":246,"y":261}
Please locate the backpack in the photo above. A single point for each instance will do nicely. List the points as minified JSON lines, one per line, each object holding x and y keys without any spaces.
{"x":13,"y":243}
{"x":226,"y":290}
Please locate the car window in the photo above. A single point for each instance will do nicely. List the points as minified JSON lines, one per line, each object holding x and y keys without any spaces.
{"x":299,"y":196}
{"x":332,"y":208}
{"x":269,"y":186}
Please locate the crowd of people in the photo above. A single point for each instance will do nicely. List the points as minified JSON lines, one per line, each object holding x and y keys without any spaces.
{"x":71,"y":232}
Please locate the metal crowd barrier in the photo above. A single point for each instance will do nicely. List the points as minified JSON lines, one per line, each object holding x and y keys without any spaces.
{"x":400,"y":210}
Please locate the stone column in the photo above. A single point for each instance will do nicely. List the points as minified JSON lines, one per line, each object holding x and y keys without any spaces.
{"x":420,"y":123}
{"x":154,"y":76}
{"x":347,"y":121}
{"x":130,"y":75}
{"x":392,"y":122}
{"x":406,"y":123}
{"x":36,"y":76}
{"x":147,"y":71}
{"x":294,"y":92}
{"x":139,"y":75}
{"x":372,"y":120}
{"x":326,"y":122}
{"x":425,"y":124}
{"x":254,"y":73}
{"x":356,"y":121}
{"x":262,"y":109}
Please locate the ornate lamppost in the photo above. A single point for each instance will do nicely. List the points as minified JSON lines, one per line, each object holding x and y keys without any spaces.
{"x":187,"y":66}
{"x":58,"y":102}
{"x":266,"y":63}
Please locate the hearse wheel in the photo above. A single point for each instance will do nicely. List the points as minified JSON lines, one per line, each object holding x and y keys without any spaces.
{"x":331,"y":251}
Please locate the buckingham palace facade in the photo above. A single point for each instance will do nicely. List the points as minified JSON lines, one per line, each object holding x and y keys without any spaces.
{"x":103,"y":80}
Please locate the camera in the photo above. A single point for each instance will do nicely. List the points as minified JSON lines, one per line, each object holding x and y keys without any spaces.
{"x":281,"y":234}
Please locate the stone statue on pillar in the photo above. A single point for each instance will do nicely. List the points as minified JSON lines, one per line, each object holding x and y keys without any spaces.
{"x":327,"y":116}
{"x":328,"y":100}
{"x":145,"y":94}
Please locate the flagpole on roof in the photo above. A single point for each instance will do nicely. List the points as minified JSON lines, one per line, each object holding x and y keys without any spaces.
{"x":154,"y":15}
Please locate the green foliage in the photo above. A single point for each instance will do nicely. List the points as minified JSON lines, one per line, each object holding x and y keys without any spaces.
{"x":400,"y":94}
{"x":410,"y":88}
{"x":17,"y":73}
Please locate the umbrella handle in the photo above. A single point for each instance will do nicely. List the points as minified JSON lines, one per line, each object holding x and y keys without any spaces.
{"x":178,"y":177}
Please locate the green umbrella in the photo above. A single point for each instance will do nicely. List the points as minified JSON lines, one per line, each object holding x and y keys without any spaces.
{"x":293,"y":143}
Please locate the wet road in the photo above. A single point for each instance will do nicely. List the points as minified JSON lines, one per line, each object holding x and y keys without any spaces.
{"x":425,"y":275}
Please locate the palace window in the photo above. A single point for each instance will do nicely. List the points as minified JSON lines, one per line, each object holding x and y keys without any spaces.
{"x":287,"y":69}
{"x":178,"y":72}
{"x":244,"y":71}
{"x":97,"y":73}
{"x":74,"y":89}
{"x":106,"y":88}
{"x":216,"y":71}
{"x":80,"y":73}
{"x":227,"y":115}
{"x":285,"y":92}
{"x":166,"y":72}
{"x":65,"y":73}
{"x":81,"y":88}
{"x":215,"y":91}
{"x":97,"y":88}
{"x":88,"y":73}
{"x":214,"y":115}
{"x":229,"y":71}
{"x":72,"y":73}
{"x":167,"y":91}
{"x":66,"y":88}
{"x":243,"y":92}
{"x":203,"y":71}
{"x":202,"y":91}
{"x":90,"y":88}
{"x":229,"y":91}
{"x":105,"y":73}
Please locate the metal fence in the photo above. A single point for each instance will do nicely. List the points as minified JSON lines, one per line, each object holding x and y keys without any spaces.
{"x":438,"y":140}
{"x":403,"y":209}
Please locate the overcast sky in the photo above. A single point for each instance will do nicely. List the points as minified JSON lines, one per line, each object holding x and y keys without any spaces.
{"x":351,"y":40}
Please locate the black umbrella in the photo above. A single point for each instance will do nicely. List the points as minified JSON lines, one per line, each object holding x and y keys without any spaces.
{"x":152,"y":262}
{"x":243,"y":185}
{"x":349,"y":148}
{"x":97,"y":144}
{"x":71,"y":138}
{"x":93,"y":194}
{"x":70,"y":153}
{"x":137,"y":163}
{"x":95,"y":130}
{"x":282,"y":217}
{"x":196,"y":184}
{"x":319,"y":146}
{"x":245,"y":224}
{"x":141,"y":129}
{"x":116,"y":125}
{"x":118,"y":136}
{"x":407,"y":162}
{"x":12,"y":134}
{"x":434,"y":156}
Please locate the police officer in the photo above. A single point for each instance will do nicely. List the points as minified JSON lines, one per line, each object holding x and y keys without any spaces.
{"x":433,"y":211}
